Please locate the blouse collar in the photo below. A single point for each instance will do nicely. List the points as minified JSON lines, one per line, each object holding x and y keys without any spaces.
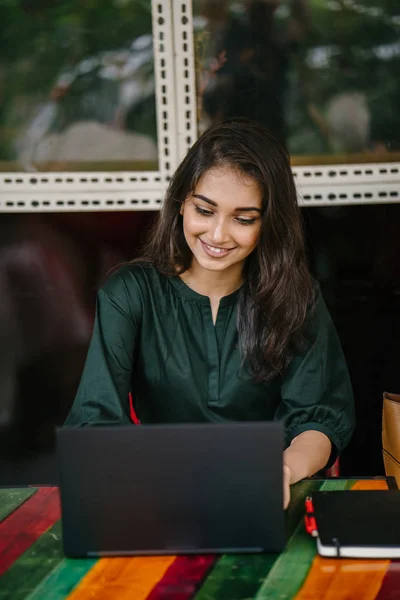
{"x":184,"y":290}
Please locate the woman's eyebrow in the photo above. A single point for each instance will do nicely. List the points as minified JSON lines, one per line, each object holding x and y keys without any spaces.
{"x":238,"y":209}
{"x":205,"y":199}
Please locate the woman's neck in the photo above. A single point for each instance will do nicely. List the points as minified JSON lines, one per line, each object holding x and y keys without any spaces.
{"x":213,"y":283}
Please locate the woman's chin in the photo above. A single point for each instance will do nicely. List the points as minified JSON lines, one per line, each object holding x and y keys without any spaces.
{"x":214,"y":264}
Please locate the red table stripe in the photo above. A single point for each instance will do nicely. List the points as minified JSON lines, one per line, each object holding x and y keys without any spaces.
{"x":182,"y":578}
{"x":24,"y":526}
{"x":390,"y":588}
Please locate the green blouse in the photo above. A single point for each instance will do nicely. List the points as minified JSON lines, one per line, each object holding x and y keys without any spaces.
{"x":154,"y":336}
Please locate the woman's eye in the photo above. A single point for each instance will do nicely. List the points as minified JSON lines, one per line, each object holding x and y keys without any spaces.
{"x":245,"y":221}
{"x":203,"y":211}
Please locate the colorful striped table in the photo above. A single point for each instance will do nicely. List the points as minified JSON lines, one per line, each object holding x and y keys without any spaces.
{"x":32,"y":564}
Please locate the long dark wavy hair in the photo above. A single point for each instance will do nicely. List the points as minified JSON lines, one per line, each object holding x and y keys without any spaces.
{"x":278,"y":290}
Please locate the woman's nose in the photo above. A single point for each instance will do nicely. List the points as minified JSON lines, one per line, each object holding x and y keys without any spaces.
{"x":219,"y":232}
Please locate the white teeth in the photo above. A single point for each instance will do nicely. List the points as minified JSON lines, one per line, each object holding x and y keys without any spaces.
{"x":217,"y":250}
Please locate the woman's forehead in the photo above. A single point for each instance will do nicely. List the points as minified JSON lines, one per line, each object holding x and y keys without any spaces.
{"x":226,"y":185}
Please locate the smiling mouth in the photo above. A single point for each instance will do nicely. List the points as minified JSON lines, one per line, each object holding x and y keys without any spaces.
{"x":215,"y":250}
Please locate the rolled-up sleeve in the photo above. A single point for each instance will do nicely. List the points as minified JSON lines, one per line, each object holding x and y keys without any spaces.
{"x":316,"y":392}
{"x":103,"y":392}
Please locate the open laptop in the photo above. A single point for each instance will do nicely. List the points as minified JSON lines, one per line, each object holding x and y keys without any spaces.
{"x":172,"y":489}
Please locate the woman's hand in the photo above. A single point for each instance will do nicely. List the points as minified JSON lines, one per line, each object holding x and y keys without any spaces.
{"x":308,"y":453}
{"x":287,"y":475}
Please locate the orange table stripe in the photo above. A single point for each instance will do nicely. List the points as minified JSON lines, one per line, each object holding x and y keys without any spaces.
{"x":370,"y":484}
{"x":122,"y":578}
{"x":341,"y":579}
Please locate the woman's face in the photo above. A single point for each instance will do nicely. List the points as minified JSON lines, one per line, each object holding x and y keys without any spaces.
{"x":222,"y":219}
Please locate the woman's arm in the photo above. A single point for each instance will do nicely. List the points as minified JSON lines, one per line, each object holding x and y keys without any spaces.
{"x":308,"y":453}
{"x":317,"y":403}
{"x":102,"y":396}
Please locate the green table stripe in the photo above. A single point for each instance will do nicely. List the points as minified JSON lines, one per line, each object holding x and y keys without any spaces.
{"x":11,"y":499}
{"x":236,"y":576}
{"x":291,"y":568}
{"x":27,"y":571}
{"x":298,"y":492}
{"x":63,"y":579}
{"x":330,"y":485}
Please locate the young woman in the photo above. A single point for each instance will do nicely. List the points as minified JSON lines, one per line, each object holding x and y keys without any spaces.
{"x":220,"y":320}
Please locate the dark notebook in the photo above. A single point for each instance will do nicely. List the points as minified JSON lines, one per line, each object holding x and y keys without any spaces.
{"x":358,"y":524}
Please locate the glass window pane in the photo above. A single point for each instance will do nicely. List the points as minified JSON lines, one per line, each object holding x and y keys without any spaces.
{"x":77,"y":85}
{"x":322,"y":75}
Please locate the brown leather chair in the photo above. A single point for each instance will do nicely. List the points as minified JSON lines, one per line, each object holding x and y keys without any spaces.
{"x":391,"y":434}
